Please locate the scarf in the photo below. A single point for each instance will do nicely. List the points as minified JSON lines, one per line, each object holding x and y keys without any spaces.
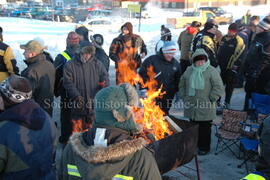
{"x":196,"y":80}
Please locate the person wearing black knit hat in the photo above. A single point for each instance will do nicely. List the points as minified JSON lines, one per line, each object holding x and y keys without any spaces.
{"x":230,"y":54}
{"x":166,"y":35}
{"x":27,"y":133}
{"x":84,"y":37}
{"x":208,"y":39}
{"x":97,"y":40}
{"x":257,"y":63}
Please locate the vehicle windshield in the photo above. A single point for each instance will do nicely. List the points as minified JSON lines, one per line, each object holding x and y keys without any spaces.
{"x":191,"y":14}
{"x":100,"y":13}
{"x":219,"y":10}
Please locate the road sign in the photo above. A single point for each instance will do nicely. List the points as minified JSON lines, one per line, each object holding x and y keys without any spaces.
{"x":134,"y":8}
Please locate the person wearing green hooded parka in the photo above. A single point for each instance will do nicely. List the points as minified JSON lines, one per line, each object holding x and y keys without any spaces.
{"x":200,"y":87}
{"x":107,"y":151}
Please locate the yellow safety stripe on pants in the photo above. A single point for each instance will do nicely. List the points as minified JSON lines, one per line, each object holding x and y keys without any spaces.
{"x":253,"y":177}
{"x":66,"y":56}
{"x":73,"y":170}
{"x":122,"y":177}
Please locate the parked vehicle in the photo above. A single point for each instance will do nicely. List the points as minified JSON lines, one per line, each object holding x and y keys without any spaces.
{"x":217,"y":10}
{"x":98,"y":13}
{"x":222,"y":17}
{"x":101,"y":24}
{"x":200,"y":16}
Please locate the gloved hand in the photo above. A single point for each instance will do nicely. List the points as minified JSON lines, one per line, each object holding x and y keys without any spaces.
{"x":79,"y":103}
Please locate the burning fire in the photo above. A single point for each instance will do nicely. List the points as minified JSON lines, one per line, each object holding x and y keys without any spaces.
{"x":77,"y":126}
{"x":151,"y":117}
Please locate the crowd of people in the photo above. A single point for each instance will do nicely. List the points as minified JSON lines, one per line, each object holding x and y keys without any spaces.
{"x":105,"y":147}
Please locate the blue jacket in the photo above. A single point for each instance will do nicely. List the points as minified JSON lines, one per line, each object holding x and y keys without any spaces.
{"x":27,"y":143}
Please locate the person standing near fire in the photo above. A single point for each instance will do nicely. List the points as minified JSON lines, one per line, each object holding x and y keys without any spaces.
{"x":41,"y":74}
{"x":184,"y":42}
{"x":108,"y":150}
{"x":61,"y":59}
{"x":127,"y":51}
{"x":230,"y":57}
{"x":166,"y":35}
{"x":28,"y":134}
{"x":208,"y":39}
{"x":168,"y":73}
{"x":200,"y":87}
{"x":84,"y":76}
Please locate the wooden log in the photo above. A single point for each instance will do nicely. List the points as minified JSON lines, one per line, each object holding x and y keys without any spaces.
{"x":172,"y":125}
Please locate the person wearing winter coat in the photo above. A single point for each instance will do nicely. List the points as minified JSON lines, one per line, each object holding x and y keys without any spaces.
{"x":184,"y":42}
{"x":200,"y":87}
{"x":108,"y":150}
{"x":246,"y":18}
{"x":97,"y":40}
{"x":7,"y":60}
{"x":166,"y":35}
{"x":263,"y":161}
{"x":247,"y":32}
{"x":127,"y":51}
{"x":257,"y":62}
{"x":61,"y":59}
{"x":168,"y":73}
{"x":84,"y":76}
{"x":229,"y":56}
{"x":28,"y":134}
{"x":208,"y":39}
{"x":40,"y":73}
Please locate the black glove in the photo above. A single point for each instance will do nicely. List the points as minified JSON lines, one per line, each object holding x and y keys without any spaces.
{"x":79,"y":105}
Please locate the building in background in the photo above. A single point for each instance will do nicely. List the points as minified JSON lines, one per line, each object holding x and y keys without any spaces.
{"x":188,"y":3}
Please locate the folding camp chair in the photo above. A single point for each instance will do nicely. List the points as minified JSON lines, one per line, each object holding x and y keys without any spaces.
{"x":229,"y":131}
{"x":249,"y":147}
{"x":260,"y":103}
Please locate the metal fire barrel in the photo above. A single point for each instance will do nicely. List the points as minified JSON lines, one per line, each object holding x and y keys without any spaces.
{"x":177,"y":149}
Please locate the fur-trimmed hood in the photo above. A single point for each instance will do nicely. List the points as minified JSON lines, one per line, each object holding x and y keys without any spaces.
{"x":95,"y":154}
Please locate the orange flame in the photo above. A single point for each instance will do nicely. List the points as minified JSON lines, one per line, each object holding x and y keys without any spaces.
{"x":77,"y":126}
{"x":152,"y":117}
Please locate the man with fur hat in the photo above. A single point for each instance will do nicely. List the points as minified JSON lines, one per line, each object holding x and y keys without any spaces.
{"x":200,"y":87}
{"x":167,"y":71}
{"x":185,"y":41}
{"x":257,"y":63}
{"x":61,"y":59}
{"x":208,"y":39}
{"x":166,"y":35}
{"x":97,"y":40}
{"x":229,"y":56}
{"x":84,"y":76}
{"x":40,"y":73}
{"x":7,"y":60}
{"x":108,"y":151}
{"x":28,"y":134}
{"x":127,"y":51}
